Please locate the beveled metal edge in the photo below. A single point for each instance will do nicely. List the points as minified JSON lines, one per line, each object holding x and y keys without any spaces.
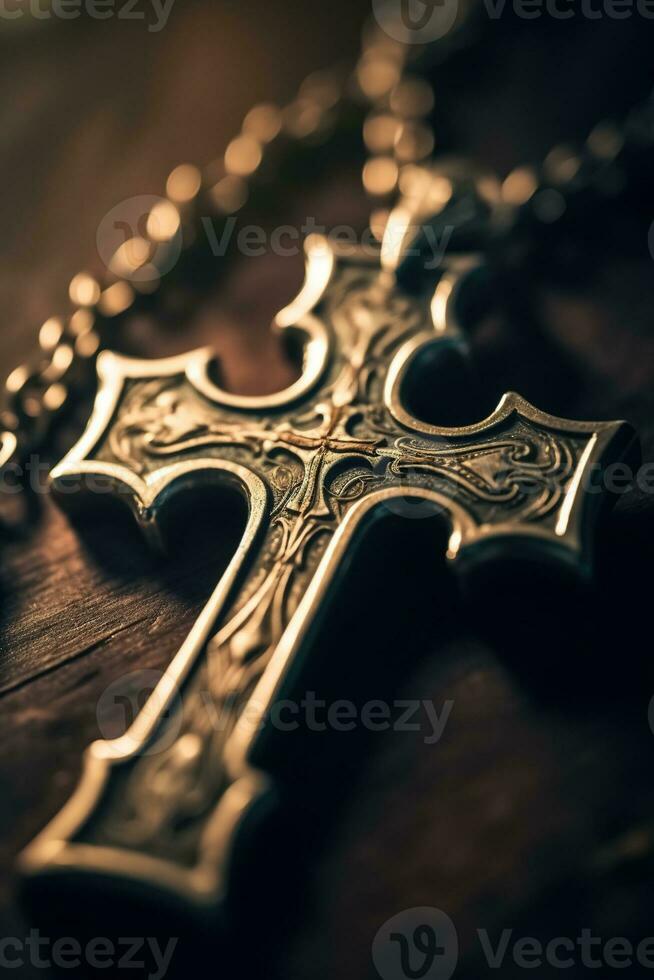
{"x":296,"y":318}
{"x":510,"y":403}
{"x":202,"y":885}
{"x":52,"y":853}
{"x":608,"y":441}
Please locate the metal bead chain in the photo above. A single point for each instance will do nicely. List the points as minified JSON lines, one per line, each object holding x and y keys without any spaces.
{"x":38,"y":393}
{"x":396,"y":103}
{"x":578,"y":188}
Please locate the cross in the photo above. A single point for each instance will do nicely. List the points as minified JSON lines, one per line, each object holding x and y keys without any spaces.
{"x":316,"y":463}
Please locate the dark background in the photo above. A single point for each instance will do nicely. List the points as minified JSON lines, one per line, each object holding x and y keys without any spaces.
{"x":535,"y":812}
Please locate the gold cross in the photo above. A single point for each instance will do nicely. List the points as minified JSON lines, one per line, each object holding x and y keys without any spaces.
{"x":317,"y":463}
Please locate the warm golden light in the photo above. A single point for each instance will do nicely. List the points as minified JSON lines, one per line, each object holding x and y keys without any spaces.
{"x":412,"y":97}
{"x":163,"y":222}
{"x":50,"y":333}
{"x":415,"y":181}
{"x":302,"y":118}
{"x":17,"y":379}
{"x":606,"y":141}
{"x":81,"y":322}
{"x":183,"y":183}
{"x":62,"y":358}
{"x":561,"y":165}
{"x":229,"y":194}
{"x":439,"y":194}
{"x":380,"y":132}
{"x":323,"y":87}
{"x":116,"y":299}
{"x":130,"y":256}
{"x":414,"y":142}
{"x":380,"y":176}
{"x":87,"y":344}
{"x":263,"y":122}
{"x":54,"y":397}
{"x":519,"y":186}
{"x":243,"y":156}
{"x":377,"y":75}
{"x":84,"y":290}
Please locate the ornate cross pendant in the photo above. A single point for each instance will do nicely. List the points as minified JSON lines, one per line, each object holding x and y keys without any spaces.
{"x":317,"y":464}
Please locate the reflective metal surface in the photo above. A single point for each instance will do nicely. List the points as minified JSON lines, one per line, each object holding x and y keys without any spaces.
{"x":317,"y":464}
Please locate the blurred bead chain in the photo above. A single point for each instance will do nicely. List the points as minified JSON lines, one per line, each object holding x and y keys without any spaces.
{"x":399,"y":141}
{"x":38,"y":393}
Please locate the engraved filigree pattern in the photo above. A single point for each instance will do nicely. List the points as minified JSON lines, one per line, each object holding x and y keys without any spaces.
{"x":315,"y":469}
{"x":320,"y":459}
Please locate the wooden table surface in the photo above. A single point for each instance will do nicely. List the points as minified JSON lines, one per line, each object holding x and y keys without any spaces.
{"x":536,"y":810}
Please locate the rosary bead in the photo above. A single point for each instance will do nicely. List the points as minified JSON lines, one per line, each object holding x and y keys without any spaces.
{"x":520,"y":185}
{"x":163,"y":222}
{"x":449,"y":203}
{"x":54,"y":397}
{"x":380,"y":132}
{"x":17,"y":379}
{"x":380,"y":176}
{"x":243,"y":156}
{"x":303,"y":118}
{"x":605,"y":141}
{"x":229,"y":194}
{"x":81,"y":321}
{"x":412,"y":97}
{"x":173,"y":246}
{"x":263,"y":122}
{"x":115,"y":300}
{"x":548,"y":205}
{"x":130,"y":257}
{"x":62,"y":358}
{"x":183,"y":183}
{"x":324,"y":87}
{"x":414,"y":142}
{"x":87,"y":345}
{"x":84,"y":289}
{"x":561,"y":166}
{"x":10,"y":422}
{"x":377,"y":74}
{"x":51,"y":333}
